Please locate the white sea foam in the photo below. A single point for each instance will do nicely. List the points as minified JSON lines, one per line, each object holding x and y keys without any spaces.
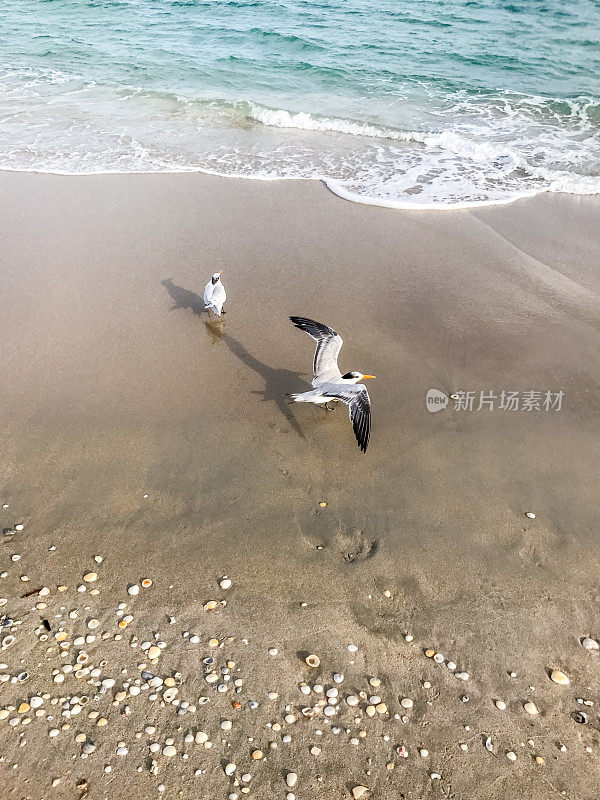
{"x":472,"y":152}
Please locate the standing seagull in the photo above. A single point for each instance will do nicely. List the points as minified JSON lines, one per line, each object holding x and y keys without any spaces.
{"x":330,"y":384}
{"x":214,"y":294}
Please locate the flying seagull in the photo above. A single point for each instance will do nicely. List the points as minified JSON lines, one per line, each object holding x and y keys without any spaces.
{"x":329,"y":383}
{"x":214,"y":294}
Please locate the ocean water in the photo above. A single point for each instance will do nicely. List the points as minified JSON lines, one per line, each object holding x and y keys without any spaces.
{"x":418,"y":103}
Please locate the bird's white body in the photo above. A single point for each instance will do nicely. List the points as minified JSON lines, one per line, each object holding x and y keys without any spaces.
{"x":329,"y":383}
{"x":214,"y":295}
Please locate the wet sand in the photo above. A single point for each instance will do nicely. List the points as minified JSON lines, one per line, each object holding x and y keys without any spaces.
{"x":117,"y":386}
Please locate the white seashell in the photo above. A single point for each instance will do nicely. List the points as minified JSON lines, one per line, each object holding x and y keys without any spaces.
{"x":133,"y":589}
{"x":338,"y":677}
{"x":530,"y":708}
{"x":438,"y":658}
{"x":557,"y":676}
{"x":500,"y":705}
{"x":170,"y":694}
{"x":169,"y":751}
{"x":352,"y":700}
{"x":590,"y":644}
{"x":291,"y":778}
{"x":352,"y":648}
{"x":230,"y":769}
{"x":359,"y":791}
{"x":511,"y":756}
{"x":90,"y":577}
{"x":406,"y":702}
{"x":488,"y":744}
{"x":313,"y":660}
{"x":530,"y":514}
{"x":93,"y":623}
{"x":225,"y":583}
{"x":329,"y":711}
{"x":154,"y":652}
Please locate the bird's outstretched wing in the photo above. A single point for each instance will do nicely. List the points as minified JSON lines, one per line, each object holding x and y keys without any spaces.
{"x":356,"y":396}
{"x":329,"y":344}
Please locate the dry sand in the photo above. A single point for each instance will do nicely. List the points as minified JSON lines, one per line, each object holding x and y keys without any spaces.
{"x":115,"y":386}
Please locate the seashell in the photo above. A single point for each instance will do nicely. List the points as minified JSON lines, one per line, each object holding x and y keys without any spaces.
{"x":579,"y":717}
{"x":147,"y":583}
{"x":511,"y":756}
{"x":406,"y":702}
{"x":93,"y":623}
{"x":308,"y":712}
{"x":438,"y":658}
{"x":230,"y":769}
{"x":530,"y":514}
{"x":531,"y":708}
{"x":8,"y":641}
{"x":488,"y":744}
{"x":225,"y":582}
{"x":82,"y":658}
{"x":291,"y":779}
{"x":211,"y":605}
{"x":170,"y":694}
{"x":590,"y":644}
{"x":312,"y":660}
{"x":133,"y":589}
{"x":90,"y":577}
{"x":338,"y":677}
{"x":154,"y":652}
{"x":36,"y":701}
{"x":500,"y":705}
{"x":359,"y":791}
{"x":423,"y":752}
{"x":169,"y":751}
{"x":557,"y":676}
{"x":381,"y":708}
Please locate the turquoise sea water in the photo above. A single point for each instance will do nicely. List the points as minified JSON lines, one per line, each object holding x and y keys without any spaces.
{"x":394,"y":102}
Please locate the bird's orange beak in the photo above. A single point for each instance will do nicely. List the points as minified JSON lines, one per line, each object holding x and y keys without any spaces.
{"x":220,"y":271}
{"x":366,"y":377}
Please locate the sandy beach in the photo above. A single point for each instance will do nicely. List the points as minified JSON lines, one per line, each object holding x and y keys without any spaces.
{"x":136,"y":430}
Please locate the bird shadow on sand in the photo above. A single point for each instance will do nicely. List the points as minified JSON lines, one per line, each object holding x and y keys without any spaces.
{"x":277,"y":381}
{"x":184,"y":298}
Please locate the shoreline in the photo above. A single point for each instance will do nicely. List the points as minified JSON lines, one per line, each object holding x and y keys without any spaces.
{"x":136,"y":430}
{"x":351,"y":197}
